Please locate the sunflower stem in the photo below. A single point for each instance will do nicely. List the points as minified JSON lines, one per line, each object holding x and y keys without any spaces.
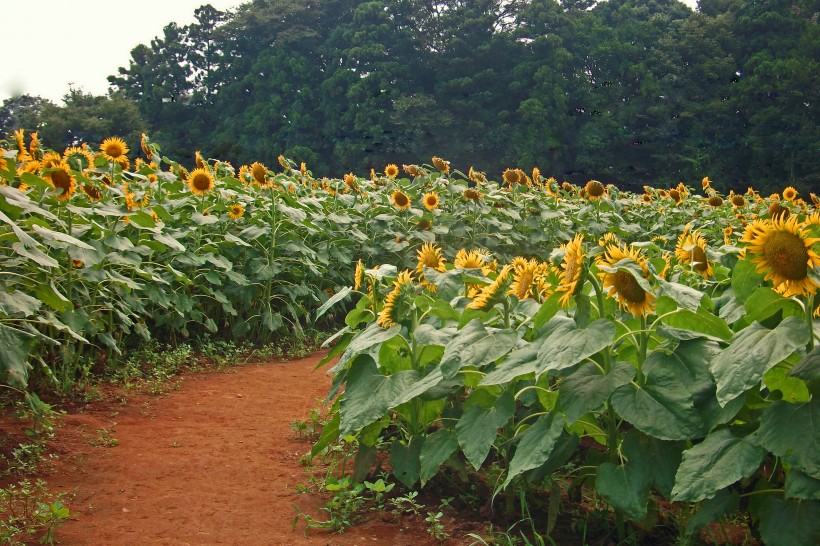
{"x":643,"y":339}
{"x":810,"y":322}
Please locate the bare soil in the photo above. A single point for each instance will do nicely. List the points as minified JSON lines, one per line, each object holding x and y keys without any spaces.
{"x":214,"y":462}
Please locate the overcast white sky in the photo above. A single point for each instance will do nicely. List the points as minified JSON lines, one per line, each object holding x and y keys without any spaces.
{"x":51,"y":44}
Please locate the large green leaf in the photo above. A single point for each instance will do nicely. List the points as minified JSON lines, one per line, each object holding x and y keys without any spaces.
{"x":791,"y":431}
{"x":765,"y":302}
{"x":405,"y":462}
{"x":437,"y":448}
{"x":517,"y":363}
{"x":473,"y":345}
{"x":51,"y":235}
{"x":723,"y":503}
{"x":587,"y":389}
{"x":535,"y":446}
{"x":717,"y":462}
{"x":660,"y":458}
{"x":567,"y":346}
{"x":662,"y":408}
{"x":372,"y":336}
{"x":484,"y":413}
{"x":752,"y":352}
{"x":18,"y":303}
{"x":801,"y":486}
{"x":685,"y":296}
{"x":625,"y":487}
{"x":789,"y":523}
{"x":745,"y":279}
{"x":700,"y":322}
{"x":14,"y":349}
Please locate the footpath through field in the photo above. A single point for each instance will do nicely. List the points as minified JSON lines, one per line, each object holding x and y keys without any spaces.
{"x":214,"y":462}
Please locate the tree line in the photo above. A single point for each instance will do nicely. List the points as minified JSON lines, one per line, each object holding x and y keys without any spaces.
{"x":626,"y":91}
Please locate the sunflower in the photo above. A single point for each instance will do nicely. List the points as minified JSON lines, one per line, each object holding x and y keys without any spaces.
{"x":691,"y":250}
{"x":472,"y":195}
{"x":303,"y":168}
{"x":200,"y":181}
{"x":609,"y":238}
{"x":236,"y":211}
{"x":22,"y":153}
{"x":200,"y":161}
{"x":487,"y":297}
{"x":676,"y":196}
{"x":776,"y":210}
{"x":113,"y":148}
{"x":389,"y":314}
{"x":790,"y":194}
{"x":259,"y":173}
{"x":400,"y":200}
{"x":358,"y":275}
{"x":523,"y":278}
{"x":595,"y":190}
{"x":781,"y":248}
{"x":145,"y":144}
{"x":566,"y":186}
{"x":412,"y":170}
{"x":429,"y":255}
{"x":630,"y":294}
{"x":61,"y":179}
{"x":391,"y":171}
{"x":51,"y":160}
{"x":715,"y":201}
{"x":646,"y":198}
{"x":476,"y":176}
{"x":536,"y":175}
{"x":511,"y":176}
{"x":706,"y":183}
{"x":738,"y":200}
{"x":350,"y":181}
{"x":442,"y":165}
{"x":91,"y":191}
{"x":571,"y":267}
{"x":77,"y":263}
{"x":431,"y":201}
{"x":468,"y":260}
{"x":34,"y":144}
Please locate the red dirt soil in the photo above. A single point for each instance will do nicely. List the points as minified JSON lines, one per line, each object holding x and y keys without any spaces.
{"x":214,"y":462}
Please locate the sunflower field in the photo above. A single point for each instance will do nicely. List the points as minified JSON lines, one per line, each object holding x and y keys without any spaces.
{"x":656,"y":350}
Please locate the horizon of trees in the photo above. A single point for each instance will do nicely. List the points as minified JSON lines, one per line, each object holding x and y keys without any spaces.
{"x":626,"y":91}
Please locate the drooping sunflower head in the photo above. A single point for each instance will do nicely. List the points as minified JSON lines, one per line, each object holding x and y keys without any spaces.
{"x":595,"y":190}
{"x":618,"y":268}
{"x":398,"y":301}
{"x":303,"y":168}
{"x":412,"y":170}
{"x":145,"y":144}
{"x":200,"y":161}
{"x":737,"y":200}
{"x":715,"y":201}
{"x":424,"y":224}
{"x":511,"y":176}
{"x":536,"y":175}
{"x":22,"y":153}
{"x":92,"y":192}
{"x":675,"y":195}
{"x":62,"y":181}
{"x":431,"y":200}
{"x":34,"y":145}
{"x":472,"y":195}
{"x":200,"y":181}
{"x":571,"y":268}
{"x":491,"y":294}
{"x":400,"y":200}
{"x":523,"y":280}
{"x":113,"y":148}
{"x":429,"y":255}
{"x":781,"y":249}
{"x":706,"y":183}
{"x":350,"y":181}
{"x":477,"y":177}
{"x":236,"y":211}
{"x":646,"y":198}
{"x":777,"y":210}
{"x":789,"y":194}
{"x":259,"y":173}
{"x":472,"y":259}
{"x":391,"y":171}
{"x":441,"y":164}
{"x":691,"y":249}
{"x":358,"y":275}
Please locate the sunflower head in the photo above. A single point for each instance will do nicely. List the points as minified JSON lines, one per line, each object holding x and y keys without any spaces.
{"x":781,"y":248}
{"x":468,"y":260}
{"x":62,"y":181}
{"x":777,"y":210}
{"x":609,"y":238}
{"x":691,"y":249}
{"x":675,"y":195}
{"x":259,"y":173}
{"x":412,"y":170}
{"x":738,"y":200}
{"x":571,"y":268}
{"x":646,"y":198}
{"x":350,"y":181}
{"x":236,"y":211}
{"x":790,"y":194}
{"x":358,"y":275}
{"x":92,"y":192}
{"x":511,"y":176}
{"x":400,"y":200}
{"x":200,"y":161}
{"x":491,"y":294}
{"x":51,"y":160}
{"x":625,"y":276}
{"x":113,"y":148}
{"x":429,"y":255}
{"x":706,"y":183}
{"x":424,"y":224}
{"x":595,"y":190}
{"x":398,"y":303}
{"x":200,"y":181}
{"x":391,"y":171}
{"x":523,"y":279}
{"x":566,"y":186}
{"x":431,"y":201}
{"x":441,"y":164}
{"x":536,"y":175}
{"x":472,"y":195}
{"x":715,"y":201}
{"x":34,"y":145}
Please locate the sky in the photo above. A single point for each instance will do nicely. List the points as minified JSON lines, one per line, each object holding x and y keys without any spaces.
{"x":78,"y":43}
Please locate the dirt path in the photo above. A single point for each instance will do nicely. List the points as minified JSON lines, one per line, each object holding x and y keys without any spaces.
{"x":214,"y":462}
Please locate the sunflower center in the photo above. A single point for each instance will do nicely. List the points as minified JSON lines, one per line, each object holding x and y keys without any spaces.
{"x":61,"y":179}
{"x":401,"y":200}
{"x":202,"y":182}
{"x":113,"y":150}
{"x":699,"y":260}
{"x":628,"y":288}
{"x":786,"y":255}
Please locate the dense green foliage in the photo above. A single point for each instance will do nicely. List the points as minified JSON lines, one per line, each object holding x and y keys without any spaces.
{"x":625,"y":91}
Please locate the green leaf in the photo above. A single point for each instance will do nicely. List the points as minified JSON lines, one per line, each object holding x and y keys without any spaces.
{"x":801,"y":486}
{"x":723,"y":503}
{"x":169,"y":241}
{"x":765,"y":302}
{"x":437,"y":448}
{"x":62,"y":237}
{"x":792,"y":389}
{"x":625,"y":487}
{"x":660,"y":458}
{"x":18,"y":303}
{"x":14,"y":349}
{"x":330,"y":433}
{"x":789,"y":523}
{"x":662,"y":408}
{"x":449,"y":284}
{"x":791,"y":431}
{"x":336,"y":298}
{"x":405,"y":460}
{"x":547,"y":310}
{"x":752,"y":352}
{"x":35,"y":254}
{"x":478,"y":426}
{"x":587,"y":390}
{"x":370,"y":337}
{"x":745,"y":279}
{"x":717,"y":462}
{"x":474,"y":346}
{"x":567,"y":346}
{"x":685,"y":296}
{"x":700,"y":322}
{"x":535,"y":446}
{"x":808,"y":369}
{"x":48,"y":294}
{"x":517,"y":363}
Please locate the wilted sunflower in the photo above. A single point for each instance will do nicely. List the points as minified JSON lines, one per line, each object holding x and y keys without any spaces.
{"x":523,"y":278}
{"x":236,"y":211}
{"x":412,"y":170}
{"x":62,"y":180}
{"x":200,"y":161}
{"x":113,"y":148}
{"x":358,"y":275}
{"x":511,"y":176}
{"x":391,"y":171}
{"x":622,"y":285}
{"x":488,"y":296}
{"x":781,"y":248}
{"x":442,"y":165}
{"x":400,"y":200}
{"x":431,"y":201}
{"x":389,"y":315}
{"x":472,"y":195}
{"x":691,"y":250}
{"x":200,"y":181}
{"x":259,"y":173}
{"x":571,"y":267}
{"x":790,"y":194}
{"x":595,"y":190}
